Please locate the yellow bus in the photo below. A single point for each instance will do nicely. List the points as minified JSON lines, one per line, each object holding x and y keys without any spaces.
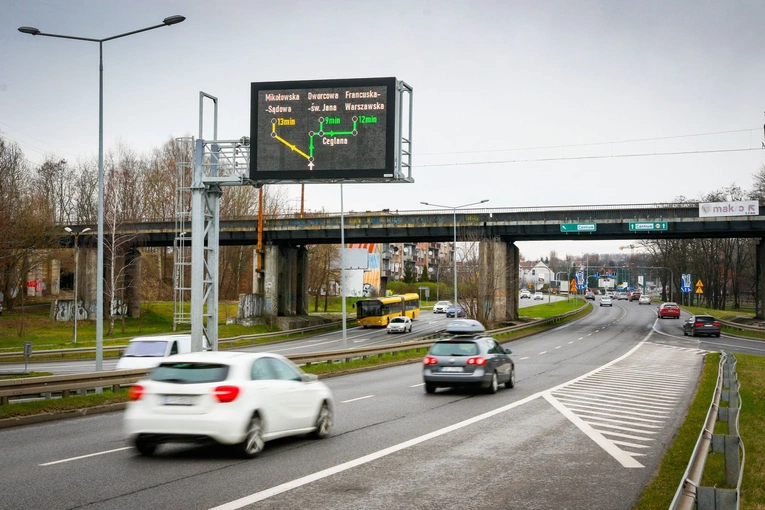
{"x":379,"y":311}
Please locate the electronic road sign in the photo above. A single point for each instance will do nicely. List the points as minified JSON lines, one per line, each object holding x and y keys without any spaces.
{"x":326,"y":129}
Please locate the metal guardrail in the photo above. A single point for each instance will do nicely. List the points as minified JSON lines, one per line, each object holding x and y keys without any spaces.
{"x":690,"y":494}
{"x":55,"y":352}
{"x":65,"y":384}
{"x":742,"y":327}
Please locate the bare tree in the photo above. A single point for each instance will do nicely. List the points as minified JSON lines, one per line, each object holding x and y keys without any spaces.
{"x":323,"y":259}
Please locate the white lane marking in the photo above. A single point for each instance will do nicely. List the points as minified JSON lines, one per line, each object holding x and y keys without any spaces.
{"x":85,"y":456}
{"x":525,"y":357}
{"x":597,"y":330}
{"x":589,"y":334}
{"x":580,"y":338}
{"x":419,"y":384}
{"x":294,"y":484}
{"x":571,"y":342}
{"x":355,"y":399}
{"x":543,"y":352}
{"x":558,"y":347}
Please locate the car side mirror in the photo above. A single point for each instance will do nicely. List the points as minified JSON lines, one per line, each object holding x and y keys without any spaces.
{"x":309,"y":377}
{"x":508,"y":351}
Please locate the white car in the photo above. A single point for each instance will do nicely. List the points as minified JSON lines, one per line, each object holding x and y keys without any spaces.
{"x":525,"y":294}
{"x":538,"y":296}
{"x":644,"y":300}
{"x":232,"y":398}
{"x":441,"y":306}
{"x":606,"y":301}
{"x":400,"y":325}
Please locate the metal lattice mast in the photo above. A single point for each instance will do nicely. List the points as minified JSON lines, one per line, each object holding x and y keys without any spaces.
{"x":182,"y":240}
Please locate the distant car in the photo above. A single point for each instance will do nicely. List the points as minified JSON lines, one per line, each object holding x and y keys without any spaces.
{"x":525,"y":294}
{"x":670,"y":310}
{"x":538,"y":296}
{"x":702,"y":325}
{"x":441,"y":306}
{"x":589,"y":295}
{"x":400,"y":325}
{"x":622,"y":296}
{"x":232,"y":398}
{"x":606,"y":301}
{"x":469,"y":357}
{"x":452,"y":312}
{"x":635,"y":296}
{"x":644,"y":300}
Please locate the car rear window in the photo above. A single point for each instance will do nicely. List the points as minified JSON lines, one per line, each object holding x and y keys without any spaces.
{"x":190,"y":373}
{"x":398,"y":319}
{"x":706,"y":319}
{"x":454,"y":349}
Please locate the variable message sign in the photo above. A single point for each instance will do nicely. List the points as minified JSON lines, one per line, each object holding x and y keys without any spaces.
{"x":328,"y":129}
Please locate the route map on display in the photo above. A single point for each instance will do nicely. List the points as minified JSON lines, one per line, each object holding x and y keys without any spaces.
{"x":323,"y":129}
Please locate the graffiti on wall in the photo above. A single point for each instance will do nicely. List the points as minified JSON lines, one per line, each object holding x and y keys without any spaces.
{"x":62,"y":310}
{"x":250,"y":305}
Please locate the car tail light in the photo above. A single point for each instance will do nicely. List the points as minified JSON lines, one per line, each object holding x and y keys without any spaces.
{"x":226,"y":394}
{"x":135,"y":392}
{"x":716,"y":324}
{"x":430,"y":360}
{"x":476,"y":360}
{"x":698,"y":324}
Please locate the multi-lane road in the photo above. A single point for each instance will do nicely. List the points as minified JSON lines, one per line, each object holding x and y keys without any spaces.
{"x":595,"y":405}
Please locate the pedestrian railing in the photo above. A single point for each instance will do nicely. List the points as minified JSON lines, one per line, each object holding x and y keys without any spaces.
{"x":690,"y":494}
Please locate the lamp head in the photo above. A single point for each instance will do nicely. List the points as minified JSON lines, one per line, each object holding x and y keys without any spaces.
{"x":86,"y":229}
{"x":171,"y":20}
{"x":29,"y":30}
{"x":68,"y":229}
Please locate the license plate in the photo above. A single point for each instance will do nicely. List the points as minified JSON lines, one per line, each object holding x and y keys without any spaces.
{"x":180,"y":400}
{"x":451,"y":369}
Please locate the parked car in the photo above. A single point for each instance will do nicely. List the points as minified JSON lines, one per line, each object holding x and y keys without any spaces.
{"x":702,"y":325}
{"x":400,"y":325}
{"x":469,"y":357}
{"x":670,"y":310}
{"x":606,"y":301}
{"x":451,"y":312}
{"x":589,"y":295}
{"x":538,"y":296}
{"x":233,"y":398}
{"x":441,"y":306}
{"x":644,"y":300}
{"x":635,"y":296}
{"x":525,"y":294}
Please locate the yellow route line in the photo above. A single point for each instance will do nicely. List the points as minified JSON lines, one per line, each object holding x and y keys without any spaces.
{"x":291,"y":146}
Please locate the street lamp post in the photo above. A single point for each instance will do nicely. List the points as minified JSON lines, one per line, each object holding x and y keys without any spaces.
{"x":170,"y":20}
{"x":454,"y":250}
{"x":76,"y":271}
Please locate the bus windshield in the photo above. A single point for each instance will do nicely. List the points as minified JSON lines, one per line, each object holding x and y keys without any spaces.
{"x":368,"y":308}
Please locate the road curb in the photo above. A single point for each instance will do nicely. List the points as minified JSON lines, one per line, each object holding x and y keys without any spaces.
{"x":61,"y":415}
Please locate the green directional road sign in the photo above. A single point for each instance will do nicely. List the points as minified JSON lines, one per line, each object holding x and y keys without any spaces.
{"x":578,"y":227}
{"x":636,"y":226}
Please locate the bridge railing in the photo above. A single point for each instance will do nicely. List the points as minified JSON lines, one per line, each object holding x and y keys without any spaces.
{"x":690,"y":494}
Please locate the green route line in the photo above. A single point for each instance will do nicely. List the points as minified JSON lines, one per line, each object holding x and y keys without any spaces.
{"x":328,"y":133}
{"x":311,"y":146}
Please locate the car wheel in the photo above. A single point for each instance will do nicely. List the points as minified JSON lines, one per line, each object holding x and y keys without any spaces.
{"x":511,"y":382}
{"x":389,"y":332}
{"x":693,"y":333}
{"x":253,"y":442}
{"x":145,"y":446}
{"x":323,"y":422}
{"x":493,"y":385}
{"x":718,"y":335}
{"x":685,"y":333}
{"x":410,"y":328}
{"x":429,"y":389}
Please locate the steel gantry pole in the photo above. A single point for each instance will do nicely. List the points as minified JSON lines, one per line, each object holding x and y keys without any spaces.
{"x":454,"y":250}
{"x":170,"y":20}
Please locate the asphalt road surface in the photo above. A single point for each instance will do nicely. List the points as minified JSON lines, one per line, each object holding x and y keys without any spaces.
{"x":596,"y":403}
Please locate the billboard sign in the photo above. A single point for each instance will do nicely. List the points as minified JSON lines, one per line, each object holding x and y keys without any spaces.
{"x":341,"y":130}
{"x":740,"y":208}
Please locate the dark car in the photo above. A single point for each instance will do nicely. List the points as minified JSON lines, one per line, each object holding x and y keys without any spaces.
{"x":670,"y":310}
{"x":635,"y":296}
{"x":451,"y":312}
{"x":702,"y":325}
{"x":467,"y":358}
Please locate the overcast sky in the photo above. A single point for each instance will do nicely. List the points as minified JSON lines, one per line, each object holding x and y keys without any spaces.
{"x":492,"y":80}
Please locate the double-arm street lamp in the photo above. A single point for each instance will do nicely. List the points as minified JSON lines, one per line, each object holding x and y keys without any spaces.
{"x":454,"y":250}
{"x":76,"y":307}
{"x":170,"y":20}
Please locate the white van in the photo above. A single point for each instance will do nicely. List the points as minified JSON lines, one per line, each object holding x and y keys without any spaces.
{"x":150,"y":351}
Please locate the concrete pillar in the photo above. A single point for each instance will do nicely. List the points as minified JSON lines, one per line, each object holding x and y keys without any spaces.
{"x":291,"y":278}
{"x":133,"y":282}
{"x":302,"y":281}
{"x":271,"y":281}
{"x":512,"y":263}
{"x":87,"y":280}
{"x":54,"y":277}
{"x":759,"y":282}
{"x":492,"y":283}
